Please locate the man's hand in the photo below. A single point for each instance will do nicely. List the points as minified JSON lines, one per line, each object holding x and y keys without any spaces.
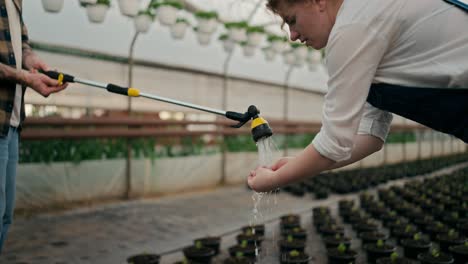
{"x":42,"y":83}
{"x":32,"y":62}
{"x":262,"y":179}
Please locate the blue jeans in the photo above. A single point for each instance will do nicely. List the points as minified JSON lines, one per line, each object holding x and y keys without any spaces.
{"x":8,"y":162}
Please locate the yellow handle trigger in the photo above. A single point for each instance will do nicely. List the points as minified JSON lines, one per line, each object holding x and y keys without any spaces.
{"x":60,"y":79}
{"x":133,"y":92}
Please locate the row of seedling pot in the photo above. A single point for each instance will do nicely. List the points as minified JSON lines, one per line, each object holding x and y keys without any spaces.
{"x":356,"y":180}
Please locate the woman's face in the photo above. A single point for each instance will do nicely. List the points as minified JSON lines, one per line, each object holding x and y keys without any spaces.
{"x":308,"y":21}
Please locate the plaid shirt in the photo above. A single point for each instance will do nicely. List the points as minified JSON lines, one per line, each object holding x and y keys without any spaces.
{"x":7,"y":57}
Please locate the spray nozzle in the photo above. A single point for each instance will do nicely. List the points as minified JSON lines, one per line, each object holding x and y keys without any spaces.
{"x":251,"y":113}
{"x":260,"y":128}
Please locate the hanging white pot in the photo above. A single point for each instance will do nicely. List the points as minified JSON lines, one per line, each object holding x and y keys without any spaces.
{"x":314,"y":57}
{"x":270,"y":53}
{"x":167,"y":15}
{"x":53,"y":6}
{"x":301,"y":52}
{"x":299,"y":62}
{"x":279,"y":46}
{"x":96,"y":13}
{"x":178,"y":30}
{"x":129,"y":7}
{"x":237,"y":34}
{"x":255,"y":38}
{"x":143,"y":22}
{"x":228,"y":45}
{"x":248,"y":51}
{"x":204,"y":39}
{"x":289,"y":58}
{"x":207,"y":25}
{"x":88,"y":2}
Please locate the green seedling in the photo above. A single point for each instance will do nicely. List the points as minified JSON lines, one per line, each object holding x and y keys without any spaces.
{"x":239,"y":254}
{"x":243,"y":244}
{"x":198,"y":244}
{"x":249,"y":232}
{"x":455,"y":215}
{"x":466,"y":244}
{"x":417,"y":236}
{"x":380,"y":243}
{"x":408,"y":228}
{"x":341,"y":248}
{"x":337,"y":236}
{"x":394,"y":256}
{"x":294,"y":253}
{"x":296,"y":230}
{"x":439,"y":225}
{"x":392,"y":213}
{"x":290,"y":238}
{"x":435,"y":253}
{"x":452,"y":233}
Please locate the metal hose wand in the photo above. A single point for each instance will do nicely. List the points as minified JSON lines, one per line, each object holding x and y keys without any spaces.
{"x":259,"y":128}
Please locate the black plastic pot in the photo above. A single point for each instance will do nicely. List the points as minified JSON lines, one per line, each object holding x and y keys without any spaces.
{"x":246,"y":251}
{"x":250,"y":238}
{"x":447,"y":240}
{"x":375,"y":251}
{"x":239,"y":260}
{"x":199,"y":254}
{"x":412,"y":248}
{"x":287,"y":246}
{"x":288,"y":258}
{"x":211,"y":242}
{"x":337,"y":257}
{"x":296,"y":233}
{"x":372,"y":237}
{"x":398,"y":260}
{"x":441,"y":258}
{"x":435,"y":229}
{"x":331,"y":230}
{"x":144,"y":259}
{"x":333,"y":242}
{"x":401,"y":233}
{"x":257,"y":229}
{"x":459,"y":253}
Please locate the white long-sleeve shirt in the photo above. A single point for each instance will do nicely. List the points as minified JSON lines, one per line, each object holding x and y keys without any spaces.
{"x":418,"y":43}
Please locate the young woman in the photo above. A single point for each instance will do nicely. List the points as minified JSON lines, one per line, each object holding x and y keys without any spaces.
{"x":408,"y":57}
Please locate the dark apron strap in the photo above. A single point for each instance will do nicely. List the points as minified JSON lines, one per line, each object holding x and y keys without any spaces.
{"x":442,"y":109}
{"x":459,"y":4}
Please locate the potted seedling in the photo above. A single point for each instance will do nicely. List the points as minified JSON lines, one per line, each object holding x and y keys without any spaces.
{"x":378,"y":250}
{"x":294,"y":257}
{"x":372,"y":237}
{"x":277,"y":43}
{"x":228,"y":44}
{"x":331,"y":230}
{"x":300,"y":50}
{"x":87,"y":2}
{"x":97,"y":12}
{"x":436,"y":228}
{"x":290,"y":244}
{"x":341,"y":255}
{"x":366,"y":226}
{"x":256,"y":229}
{"x":255,"y":35}
{"x":204,"y":39}
{"x":52,"y":6}
{"x":179,"y":28}
{"x":250,"y":237}
{"x":199,"y":253}
{"x":293,"y":219}
{"x":270,"y":54}
{"x":143,"y":20}
{"x":452,"y":238}
{"x":144,"y":258}
{"x":395,"y":259}
{"x":239,"y":259}
{"x":404,"y":232}
{"x":415,"y":246}
{"x":243,"y":247}
{"x":129,"y":7}
{"x":247,"y":50}
{"x":336,"y":240}
{"x":166,"y":11}
{"x":460,"y":253}
{"x":296,"y":233}
{"x":435,"y":257}
{"x":207,"y":21}
{"x":212,"y":242}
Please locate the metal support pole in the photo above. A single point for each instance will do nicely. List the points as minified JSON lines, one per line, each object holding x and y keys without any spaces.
{"x":420,"y":135}
{"x":128,"y":171}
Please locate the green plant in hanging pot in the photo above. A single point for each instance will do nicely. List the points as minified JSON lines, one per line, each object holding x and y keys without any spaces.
{"x":143,"y":20}
{"x":247,"y":50}
{"x":300,"y":50}
{"x":97,"y":12}
{"x":166,"y":11}
{"x":87,"y":2}
{"x":270,"y":53}
{"x":279,"y":44}
{"x":255,"y":35}
{"x":237,"y":31}
{"x":228,"y":44}
{"x":179,"y":28}
{"x":203,"y":38}
{"x":207,"y":21}
{"x":52,"y":6}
